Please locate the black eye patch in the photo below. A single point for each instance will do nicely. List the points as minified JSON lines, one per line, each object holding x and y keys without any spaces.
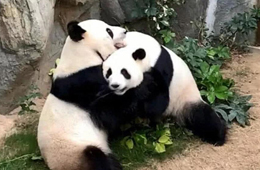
{"x":109,"y":31}
{"x":109,"y":72}
{"x":125,"y":73}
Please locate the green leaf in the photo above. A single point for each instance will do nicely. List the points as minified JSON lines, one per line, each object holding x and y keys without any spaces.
{"x":204,"y":67}
{"x":130,"y":144}
{"x":36,"y":158}
{"x":123,"y":141}
{"x":165,"y":23}
{"x":211,"y":97}
{"x":223,"y":114}
{"x":159,"y":147}
{"x":57,"y":61}
{"x":203,"y":92}
{"x":232,"y":115}
{"x":241,"y":119}
{"x":163,"y":139}
{"x":51,"y":72}
{"x":140,"y":139}
{"x":169,"y":142}
{"x":222,"y":96}
{"x":221,"y":89}
{"x":223,"y":106}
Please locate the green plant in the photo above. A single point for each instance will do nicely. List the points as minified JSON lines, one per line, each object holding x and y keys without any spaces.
{"x":26,"y":102}
{"x":51,"y":72}
{"x":236,"y":109}
{"x":241,"y":25}
{"x":156,"y":139}
{"x":212,"y":84}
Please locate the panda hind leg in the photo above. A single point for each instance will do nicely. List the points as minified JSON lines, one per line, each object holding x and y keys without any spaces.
{"x":203,"y":121}
{"x":96,"y":159}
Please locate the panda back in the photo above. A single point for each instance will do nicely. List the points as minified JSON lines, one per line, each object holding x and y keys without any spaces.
{"x":165,"y":66}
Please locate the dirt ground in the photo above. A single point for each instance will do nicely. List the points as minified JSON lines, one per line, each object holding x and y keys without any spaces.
{"x":242,"y":150}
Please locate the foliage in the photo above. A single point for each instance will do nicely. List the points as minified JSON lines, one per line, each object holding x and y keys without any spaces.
{"x":154,"y":139}
{"x":26,"y":102}
{"x":235,"y":109}
{"x":204,"y":56}
{"x":148,"y":142}
{"x":21,"y":152}
{"x":51,"y":72}
{"x":239,"y":28}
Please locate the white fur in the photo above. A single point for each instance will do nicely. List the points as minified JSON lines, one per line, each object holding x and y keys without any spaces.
{"x":78,"y":55}
{"x":118,"y":62}
{"x":65,"y":130}
{"x":183,"y":88}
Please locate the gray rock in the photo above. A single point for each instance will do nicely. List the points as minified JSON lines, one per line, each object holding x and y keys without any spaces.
{"x":111,"y":12}
{"x":228,"y":9}
{"x":192,"y":10}
{"x":129,"y":7}
{"x":75,"y":2}
{"x":25,"y":26}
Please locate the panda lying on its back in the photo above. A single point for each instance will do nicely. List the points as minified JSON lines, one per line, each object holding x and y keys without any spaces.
{"x":68,"y":136}
{"x":181,"y":98}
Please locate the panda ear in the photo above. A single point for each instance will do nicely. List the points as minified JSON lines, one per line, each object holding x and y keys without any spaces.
{"x":75,"y":31}
{"x":139,"y":54}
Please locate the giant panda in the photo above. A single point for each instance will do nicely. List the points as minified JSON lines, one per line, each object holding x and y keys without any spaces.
{"x":68,"y":137}
{"x":181,"y":98}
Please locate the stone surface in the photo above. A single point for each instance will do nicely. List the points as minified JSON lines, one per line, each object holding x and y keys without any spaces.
{"x":111,"y":12}
{"x":191,"y":10}
{"x":129,"y":6}
{"x":228,"y":9}
{"x":31,"y":38}
{"x":24,"y":30}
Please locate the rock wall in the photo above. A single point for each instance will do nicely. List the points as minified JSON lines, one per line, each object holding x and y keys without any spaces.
{"x":32,"y":33}
{"x":25,"y":26}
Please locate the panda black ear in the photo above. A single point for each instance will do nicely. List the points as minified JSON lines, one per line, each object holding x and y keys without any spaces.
{"x":75,"y":31}
{"x":139,"y":54}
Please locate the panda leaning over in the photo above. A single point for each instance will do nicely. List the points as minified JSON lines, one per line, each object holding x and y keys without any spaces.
{"x":68,"y":137}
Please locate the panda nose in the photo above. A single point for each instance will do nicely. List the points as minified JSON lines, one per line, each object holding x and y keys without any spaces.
{"x":114,"y":86}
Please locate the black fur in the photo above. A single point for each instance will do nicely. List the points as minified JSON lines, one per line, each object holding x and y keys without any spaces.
{"x":165,"y":66}
{"x":156,"y":106}
{"x":89,"y":90}
{"x":96,"y":159}
{"x":113,"y":110}
{"x":202,"y":120}
{"x":139,"y":54}
{"x":80,"y":88}
{"x":75,"y":31}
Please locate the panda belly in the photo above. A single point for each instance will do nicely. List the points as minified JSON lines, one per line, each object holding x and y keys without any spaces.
{"x":64,"y":133}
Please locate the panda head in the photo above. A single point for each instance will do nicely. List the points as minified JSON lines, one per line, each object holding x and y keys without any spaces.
{"x":97,"y":35}
{"x":122,"y":71}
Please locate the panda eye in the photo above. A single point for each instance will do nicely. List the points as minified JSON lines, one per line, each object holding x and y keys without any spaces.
{"x":109,"y":72}
{"x":125,"y":73}
{"x":109,"y":31}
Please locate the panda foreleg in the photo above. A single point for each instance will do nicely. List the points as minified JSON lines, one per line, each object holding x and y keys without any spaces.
{"x":157,"y":102}
{"x":155,"y":107}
